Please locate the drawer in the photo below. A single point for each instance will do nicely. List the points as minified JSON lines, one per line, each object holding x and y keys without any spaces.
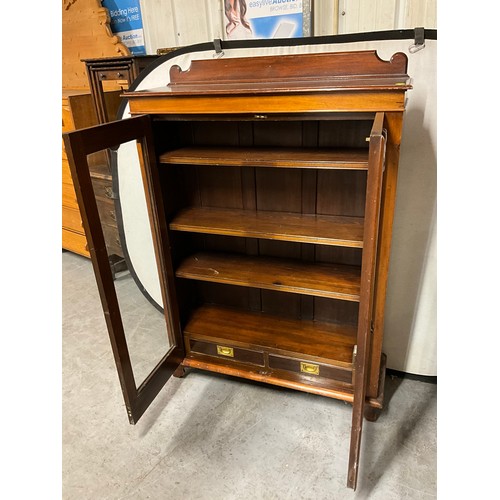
{"x":112,"y":239}
{"x":114,"y":74}
{"x":72,"y":219}
{"x":99,"y":163}
{"x":103,"y":188}
{"x":69,"y":196}
{"x":309,"y":368}
{"x":107,"y":211}
{"x":75,"y":242}
{"x":66,"y":172}
{"x":67,"y":119}
{"x":226,"y":351}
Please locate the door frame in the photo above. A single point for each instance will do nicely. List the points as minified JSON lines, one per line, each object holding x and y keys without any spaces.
{"x":79,"y":144}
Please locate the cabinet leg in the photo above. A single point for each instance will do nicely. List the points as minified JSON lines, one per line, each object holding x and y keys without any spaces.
{"x":372,"y":414}
{"x":180,"y":371}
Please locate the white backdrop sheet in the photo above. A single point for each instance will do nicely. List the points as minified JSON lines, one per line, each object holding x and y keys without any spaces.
{"x":410,"y":323}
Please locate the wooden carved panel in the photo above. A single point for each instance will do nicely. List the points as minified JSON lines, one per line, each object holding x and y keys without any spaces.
{"x":86,"y":34}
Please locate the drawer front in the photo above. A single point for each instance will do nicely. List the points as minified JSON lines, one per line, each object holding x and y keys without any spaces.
{"x":69,"y":196}
{"x":66,"y":172}
{"x":99,"y":163}
{"x":309,"y":368}
{"x":67,"y":119}
{"x":112,"y":239}
{"x":114,"y":74}
{"x":107,"y":212}
{"x":75,"y":242}
{"x":227,"y":351}
{"x":71,"y":219}
{"x":103,"y":188}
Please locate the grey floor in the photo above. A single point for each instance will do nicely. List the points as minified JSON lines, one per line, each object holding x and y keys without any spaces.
{"x":213,"y":437}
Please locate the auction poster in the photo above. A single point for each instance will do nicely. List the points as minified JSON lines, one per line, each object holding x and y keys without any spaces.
{"x":126,"y":23}
{"x":263,"y":19}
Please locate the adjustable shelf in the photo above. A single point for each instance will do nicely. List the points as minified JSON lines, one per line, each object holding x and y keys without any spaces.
{"x":308,"y":158}
{"x":284,"y":226}
{"x":270,"y":273}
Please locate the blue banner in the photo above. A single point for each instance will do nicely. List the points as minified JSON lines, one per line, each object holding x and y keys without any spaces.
{"x":126,"y":23}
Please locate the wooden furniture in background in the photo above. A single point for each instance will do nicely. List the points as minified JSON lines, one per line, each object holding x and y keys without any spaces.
{"x":121,"y":70}
{"x":78,"y":112}
{"x":270,"y":191}
{"x":85,"y":33}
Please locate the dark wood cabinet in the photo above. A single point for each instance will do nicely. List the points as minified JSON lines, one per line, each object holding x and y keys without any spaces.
{"x":270,"y":184}
{"x":102,"y":70}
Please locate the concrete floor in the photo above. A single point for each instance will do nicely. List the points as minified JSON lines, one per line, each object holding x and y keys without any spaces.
{"x":210,"y":437}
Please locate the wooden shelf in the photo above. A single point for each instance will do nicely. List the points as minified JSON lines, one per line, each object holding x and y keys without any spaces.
{"x":284,"y":226}
{"x":324,"y":342}
{"x":352,"y":159}
{"x":307,"y":278}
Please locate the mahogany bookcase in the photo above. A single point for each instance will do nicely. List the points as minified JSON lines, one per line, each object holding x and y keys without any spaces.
{"x":270,"y":185}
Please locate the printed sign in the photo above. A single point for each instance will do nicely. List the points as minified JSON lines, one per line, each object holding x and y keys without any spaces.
{"x":126,"y":23}
{"x":263,"y":19}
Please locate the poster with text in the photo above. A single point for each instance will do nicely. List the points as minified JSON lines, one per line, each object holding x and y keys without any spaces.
{"x":126,"y":23}
{"x":263,"y":19}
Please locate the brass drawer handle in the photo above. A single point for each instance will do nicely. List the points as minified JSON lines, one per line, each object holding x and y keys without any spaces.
{"x":112,"y":215}
{"x":225,"y":351}
{"x":309,"y":368}
{"x":108,"y":192}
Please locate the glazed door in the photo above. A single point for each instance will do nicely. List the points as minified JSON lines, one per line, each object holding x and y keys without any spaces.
{"x":145,"y":337}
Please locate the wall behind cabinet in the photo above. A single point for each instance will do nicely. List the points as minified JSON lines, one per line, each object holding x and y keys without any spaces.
{"x":171,"y":23}
{"x":369,"y":15}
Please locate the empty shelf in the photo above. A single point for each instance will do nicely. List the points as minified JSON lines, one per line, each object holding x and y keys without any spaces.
{"x":284,"y":226}
{"x":331,"y":342}
{"x":356,"y":159}
{"x":271,"y":273}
